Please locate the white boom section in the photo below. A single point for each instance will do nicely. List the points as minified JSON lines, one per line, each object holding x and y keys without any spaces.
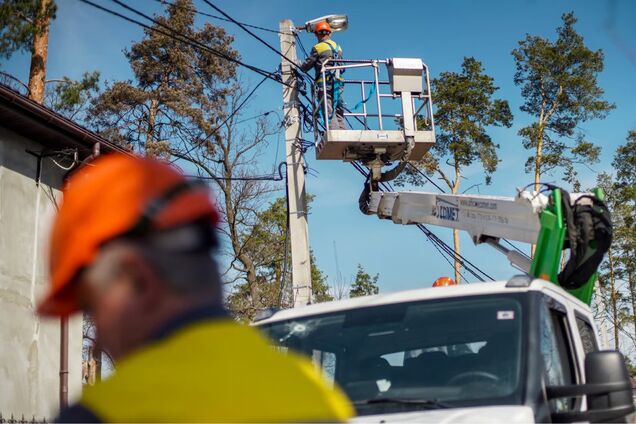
{"x":485,"y":218}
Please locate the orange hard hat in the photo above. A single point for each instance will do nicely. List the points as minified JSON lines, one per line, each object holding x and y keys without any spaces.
{"x":322,"y":26}
{"x":444,"y":281}
{"x":107,"y":199}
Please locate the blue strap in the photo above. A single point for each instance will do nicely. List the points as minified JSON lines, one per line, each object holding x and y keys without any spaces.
{"x":334,"y":54}
{"x":363,"y":101}
{"x":335,"y":98}
{"x":336,"y":84}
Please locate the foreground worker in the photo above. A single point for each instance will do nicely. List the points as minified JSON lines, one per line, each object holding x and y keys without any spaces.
{"x":131,"y":246}
{"x":325,"y":49}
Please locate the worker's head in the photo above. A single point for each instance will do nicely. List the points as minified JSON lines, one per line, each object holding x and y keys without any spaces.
{"x":322,"y":30}
{"x":131,"y":246}
{"x":444,"y":281}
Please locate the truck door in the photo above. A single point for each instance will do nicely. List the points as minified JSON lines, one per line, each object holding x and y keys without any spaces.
{"x":586,"y":332}
{"x":557,"y":350}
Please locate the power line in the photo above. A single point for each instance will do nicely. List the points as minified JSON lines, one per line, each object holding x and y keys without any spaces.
{"x":196,"y":44}
{"x":300,"y":43}
{"x":442,"y":190}
{"x":426,"y":176}
{"x":184,"y":39}
{"x":192,"y":40}
{"x":222,"y":19}
{"x":458,"y":257}
{"x":435,"y":240}
{"x":270,"y":177}
{"x":244,"y":28}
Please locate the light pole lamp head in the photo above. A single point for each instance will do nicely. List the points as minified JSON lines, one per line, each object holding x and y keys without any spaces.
{"x":336,"y":22}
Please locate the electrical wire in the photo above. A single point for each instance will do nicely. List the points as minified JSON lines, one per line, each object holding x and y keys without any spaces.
{"x":183,"y":39}
{"x":516,"y":248}
{"x":230,"y":116}
{"x":415,"y":168}
{"x":244,"y":28}
{"x":209,"y":15}
{"x":300,"y":43}
{"x":300,"y":74}
{"x":282,"y":280}
{"x":269,"y":177}
{"x":442,"y":190}
{"x":195,"y":43}
{"x":190,"y":39}
{"x":435,"y":240}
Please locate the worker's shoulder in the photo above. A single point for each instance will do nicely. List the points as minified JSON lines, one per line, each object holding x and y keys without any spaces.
{"x":326,"y":46}
{"x":224,"y":361}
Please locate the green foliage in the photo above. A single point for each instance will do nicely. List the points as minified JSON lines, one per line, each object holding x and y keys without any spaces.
{"x":559,"y":85}
{"x":464,"y":108}
{"x":266,"y":244}
{"x":179,"y":92}
{"x":319,"y":286}
{"x":70,"y":97}
{"x":631,"y":368}
{"x":617,"y":275}
{"x":625,"y":165}
{"x":20,"y":20}
{"x":364,"y":284}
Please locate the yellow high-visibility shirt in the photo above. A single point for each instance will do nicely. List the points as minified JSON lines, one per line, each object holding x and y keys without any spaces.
{"x":215,"y":371}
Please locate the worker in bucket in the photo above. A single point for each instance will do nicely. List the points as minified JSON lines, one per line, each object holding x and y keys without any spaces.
{"x":132,"y":245}
{"x":325,"y":49}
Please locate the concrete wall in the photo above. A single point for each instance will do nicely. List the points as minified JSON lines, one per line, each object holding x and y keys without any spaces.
{"x":29,"y":347}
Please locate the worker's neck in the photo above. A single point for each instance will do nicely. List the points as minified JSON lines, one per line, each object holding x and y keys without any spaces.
{"x":323,"y":38}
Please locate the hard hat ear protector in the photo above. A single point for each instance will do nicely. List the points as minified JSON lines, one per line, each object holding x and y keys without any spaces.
{"x":192,"y":236}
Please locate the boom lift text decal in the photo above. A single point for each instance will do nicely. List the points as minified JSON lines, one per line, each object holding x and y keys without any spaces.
{"x":446,"y":210}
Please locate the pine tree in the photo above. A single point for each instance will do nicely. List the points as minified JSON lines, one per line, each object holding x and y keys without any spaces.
{"x":464,"y":109}
{"x":24,"y":26}
{"x":268,"y":244}
{"x":364,"y":284}
{"x":559,"y":85}
{"x":179,"y":93}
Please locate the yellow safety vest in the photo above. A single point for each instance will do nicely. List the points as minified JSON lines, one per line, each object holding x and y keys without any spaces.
{"x":215,"y":371}
{"x":327,"y":49}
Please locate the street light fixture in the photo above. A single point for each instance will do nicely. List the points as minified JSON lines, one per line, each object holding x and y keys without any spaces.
{"x":337,"y":23}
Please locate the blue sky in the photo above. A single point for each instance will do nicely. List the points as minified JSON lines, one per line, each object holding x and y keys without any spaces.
{"x":441,"y":33}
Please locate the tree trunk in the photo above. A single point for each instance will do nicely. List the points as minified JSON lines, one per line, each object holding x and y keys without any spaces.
{"x":97,"y":354}
{"x":538,"y":158}
{"x":537,"y":169}
{"x":601,"y":312}
{"x":456,"y":246}
{"x":39,"y":53}
{"x":246,"y":260}
{"x":632,"y":297}
{"x":150,"y":132}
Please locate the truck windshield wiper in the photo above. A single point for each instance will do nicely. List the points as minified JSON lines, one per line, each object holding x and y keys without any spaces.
{"x":429,"y":403}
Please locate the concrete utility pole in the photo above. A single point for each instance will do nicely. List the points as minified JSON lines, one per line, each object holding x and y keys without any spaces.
{"x":298,"y":230}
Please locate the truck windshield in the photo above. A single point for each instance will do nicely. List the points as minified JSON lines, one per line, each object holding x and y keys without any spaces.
{"x":418,"y":355}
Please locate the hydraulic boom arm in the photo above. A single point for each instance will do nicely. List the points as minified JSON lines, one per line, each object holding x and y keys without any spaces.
{"x":530,"y":218}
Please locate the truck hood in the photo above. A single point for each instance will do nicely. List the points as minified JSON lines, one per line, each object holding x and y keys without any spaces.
{"x":490,"y":414}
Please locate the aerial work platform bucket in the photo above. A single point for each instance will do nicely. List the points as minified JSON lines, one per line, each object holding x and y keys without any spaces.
{"x":408,"y":132}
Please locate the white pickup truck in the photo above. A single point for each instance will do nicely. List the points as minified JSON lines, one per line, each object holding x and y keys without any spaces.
{"x":517,"y":351}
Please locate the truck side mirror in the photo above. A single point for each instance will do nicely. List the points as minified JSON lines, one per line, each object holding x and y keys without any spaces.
{"x":608,"y":390}
{"x":608,"y":368}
